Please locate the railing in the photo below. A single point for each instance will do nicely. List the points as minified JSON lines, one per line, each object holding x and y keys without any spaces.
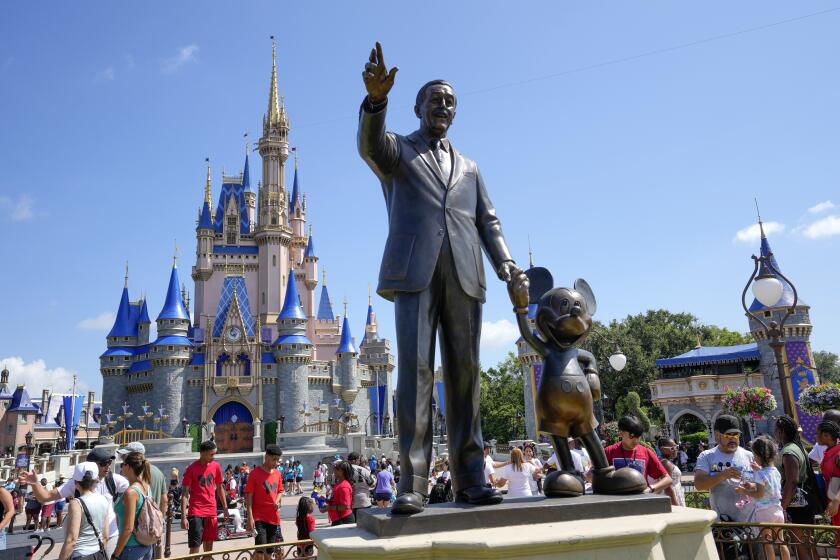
{"x":334,"y":427}
{"x":279,"y":551}
{"x":697,"y":500}
{"x":127,"y":436}
{"x":760,"y":541}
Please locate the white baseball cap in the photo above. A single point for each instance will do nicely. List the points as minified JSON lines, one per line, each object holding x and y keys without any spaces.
{"x":134,"y":446}
{"x":80,"y":470}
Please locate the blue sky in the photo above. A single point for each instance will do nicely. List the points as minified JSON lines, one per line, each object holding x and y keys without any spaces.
{"x":628,"y":140}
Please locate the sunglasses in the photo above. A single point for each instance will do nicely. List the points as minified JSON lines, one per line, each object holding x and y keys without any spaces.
{"x":731,"y":436}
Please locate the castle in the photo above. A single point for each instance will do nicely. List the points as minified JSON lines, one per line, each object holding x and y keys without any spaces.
{"x":692,"y":385}
{"x":255,"y":349}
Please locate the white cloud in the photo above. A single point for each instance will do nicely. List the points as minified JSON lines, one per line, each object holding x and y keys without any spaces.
{"x":821,"y":207}
{"x":20,"y":209}
{"x":106,"y":75}
{"x":102,"y":322}
{"x":828,"y":226}
{"x":35,"y":376}
{"x":184,"y":55}
{"x":751,"y":234}
{"x":498,"y":335}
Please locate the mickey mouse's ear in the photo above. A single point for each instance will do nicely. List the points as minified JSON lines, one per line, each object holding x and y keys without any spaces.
{"x":540,"y":281}
{"x":583,"y":288}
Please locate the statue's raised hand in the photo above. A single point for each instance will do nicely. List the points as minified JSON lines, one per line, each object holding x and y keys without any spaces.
{"x":378,"y":80}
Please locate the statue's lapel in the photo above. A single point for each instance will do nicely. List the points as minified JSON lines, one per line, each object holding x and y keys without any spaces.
{"x":457,"y":167}
{"x":426,"y":155}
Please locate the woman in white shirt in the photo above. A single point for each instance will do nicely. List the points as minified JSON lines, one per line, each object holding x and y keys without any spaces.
{"x":531,"y":458}
{"x":88,"y":516}
{"x":517,"y":474}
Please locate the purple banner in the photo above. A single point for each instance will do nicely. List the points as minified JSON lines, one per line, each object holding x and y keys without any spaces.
{"x":801,"y":377}
{"x":537,"y":376}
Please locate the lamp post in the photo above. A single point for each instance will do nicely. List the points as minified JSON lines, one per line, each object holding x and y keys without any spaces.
{"x":185,"y":424}
{"x":108,"y":424}
{"x":126,"y":414}
{"x":146,"y":414}
{"x":768,"y":291}
{"x":282,"y":424}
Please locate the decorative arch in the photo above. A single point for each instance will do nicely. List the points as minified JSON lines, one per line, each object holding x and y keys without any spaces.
{"x":233,"y":437}
{"x":233,"y":364}
{"x":252,"y":411}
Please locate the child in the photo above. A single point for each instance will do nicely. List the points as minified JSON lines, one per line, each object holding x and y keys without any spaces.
{"x":305,"y":523}
{"x":766,"y":488}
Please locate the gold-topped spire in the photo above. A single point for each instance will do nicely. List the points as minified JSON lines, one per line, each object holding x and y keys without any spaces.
{"x":175,"y":256}
{"x":345,"y":307}
{"x":324,"y":276}
{"x":208,"y":191}
{"x":126,"y":274}
{"x":272,"y":117}
{"x":245,"y":136}
{"x":760,"y":224}
{"x":370,"y":300}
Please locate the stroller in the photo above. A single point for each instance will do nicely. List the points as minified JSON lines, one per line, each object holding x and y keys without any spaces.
{"x":441,"y":491}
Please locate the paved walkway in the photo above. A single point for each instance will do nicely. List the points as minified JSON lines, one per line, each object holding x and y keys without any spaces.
{"x":179,"y":536}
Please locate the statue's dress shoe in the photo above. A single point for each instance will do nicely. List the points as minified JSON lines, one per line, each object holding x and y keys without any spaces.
{"x":408,"y":503}
{"x":479,"y":496}
{"x":563,"y":484}
{"x":621,"y":481}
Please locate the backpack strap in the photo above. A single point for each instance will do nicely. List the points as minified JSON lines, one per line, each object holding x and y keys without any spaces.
{"x":111,"y":485}
{"x":90,"y":522}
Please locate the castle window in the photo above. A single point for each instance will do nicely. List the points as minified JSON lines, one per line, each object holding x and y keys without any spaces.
{"x":125,"y":338}
{"x":110,"y":358}
{"x":125,"y":358}
{"x":170,"y":348}
{"x":273,"y":260}
{"x":768,"y":314}
{"x":263,"y":298}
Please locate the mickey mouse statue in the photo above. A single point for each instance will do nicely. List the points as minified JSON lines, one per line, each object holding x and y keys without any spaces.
{"x":569,"y":383}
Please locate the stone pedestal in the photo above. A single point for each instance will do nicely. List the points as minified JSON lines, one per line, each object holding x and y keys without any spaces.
{"x":258,"y":440}
{"x":683,"y":533}
{"x":167,"y":446}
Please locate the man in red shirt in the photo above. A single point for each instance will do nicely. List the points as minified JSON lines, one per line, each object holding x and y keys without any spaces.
{"x":262,"y":500}
{"x":630,"y":453}
{"x":202,"y":484}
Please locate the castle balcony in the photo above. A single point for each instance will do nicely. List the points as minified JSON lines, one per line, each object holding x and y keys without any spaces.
{"x":233,"y":385}
{"x":699,"y":388}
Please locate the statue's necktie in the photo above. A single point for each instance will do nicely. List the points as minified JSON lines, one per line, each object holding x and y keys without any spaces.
{"x":442,"y":158}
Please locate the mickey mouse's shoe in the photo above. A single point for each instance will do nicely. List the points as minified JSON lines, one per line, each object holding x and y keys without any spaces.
{"x":408,"y":503}
{"x":563,"y":484}
{"x":622,"y":481}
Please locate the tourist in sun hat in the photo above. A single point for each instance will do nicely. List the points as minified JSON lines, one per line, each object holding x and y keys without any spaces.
{"x":158,"y":491}
{"x":87,"y":517}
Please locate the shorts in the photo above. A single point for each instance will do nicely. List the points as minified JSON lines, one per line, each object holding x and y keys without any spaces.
{"x":772,"y":514}
{"x":202,"y":529}
{"x":298,"y":478}
{"x":801,"y":515}
{"x":382,"y":496}
{"x":267,"y":533}
{"x":59,"y":505}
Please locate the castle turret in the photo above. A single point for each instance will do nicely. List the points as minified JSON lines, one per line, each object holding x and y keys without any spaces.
{"x":297,"y":215}
{"x":310,"y":267}
{"x":169,"y":356}
{"x":375,"y":353}
{"x":796,"y":351}
{"x":250,"y":197}
{"x":273,"y":234}
{"x":115,"y":361}
{"x":293,"y":354}
{"x":346,"y":363}
{"x":143,"y":323}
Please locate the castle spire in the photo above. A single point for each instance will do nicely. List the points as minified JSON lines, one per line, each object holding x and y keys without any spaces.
{"x":173,"y":307}
{"x":246,"y":175}
{"x":310,"y":246}
{"x":346,"y":345}
{"x":272,"y":117}
{"x":126,"y":274}
{"x":293,"y":200}
{"x":760,"y":224}
{"x":208,"y":191}
{"x":325,"y":310}
{"x":291,"y":305}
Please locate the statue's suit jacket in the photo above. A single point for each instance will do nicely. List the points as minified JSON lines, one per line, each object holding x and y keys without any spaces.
{"x":423,"y":209}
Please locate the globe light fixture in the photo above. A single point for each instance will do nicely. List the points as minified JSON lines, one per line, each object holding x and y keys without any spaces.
{"x":618,"y":360}
{"x":767,"y":289}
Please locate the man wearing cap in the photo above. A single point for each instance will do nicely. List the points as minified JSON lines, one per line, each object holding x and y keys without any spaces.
{"x":362,"y":482}
{"x":201,"y":486}
{"x":111,"y":485}
{"x":262,"y":500}
{"x":157,"y":488}
{"x":719,"y":470}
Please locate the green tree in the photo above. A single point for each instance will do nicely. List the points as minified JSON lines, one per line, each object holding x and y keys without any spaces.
{"x":503,"y":401}
{"x":632,"y":404}
{"x":828,"y":366}
{"x":643,"y":338}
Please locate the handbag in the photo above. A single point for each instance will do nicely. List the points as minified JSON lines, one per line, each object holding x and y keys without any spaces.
{"x":100,"y":554}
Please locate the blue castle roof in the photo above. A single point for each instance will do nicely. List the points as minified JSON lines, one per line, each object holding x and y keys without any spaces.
{"x":325,"y":310}
{"x":237,"y":190}
{"x":706,"y":355}
{"x":173,"y":307}
{"x":234,"y":286}
{"x":368,"y":323}
{"x":310,"y":248}
{"x":346,"y":344}
{"x":787,"y":291}
{"x":144,"y":314}
{"x":295,"y":193}
{"x":21,"y":402}
{"x":179,"y":340}
{"x":293,"y":339}
{"x":291,"y":304}
{"x":205,"y":221}
{"x":124,"y":325}
{"x":138,"y":367}
{"x":246,"y":175}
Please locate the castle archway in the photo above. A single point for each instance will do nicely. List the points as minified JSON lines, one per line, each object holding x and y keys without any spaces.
{"x":234,"y":428}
